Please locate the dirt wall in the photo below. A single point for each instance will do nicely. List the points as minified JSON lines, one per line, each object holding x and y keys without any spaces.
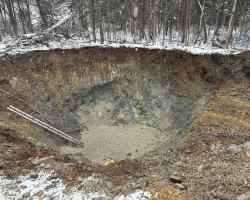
{"x":93,"y":86}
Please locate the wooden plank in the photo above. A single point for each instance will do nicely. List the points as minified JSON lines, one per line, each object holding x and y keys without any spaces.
{"x":19,"y":99}
{"x":42,"y":124}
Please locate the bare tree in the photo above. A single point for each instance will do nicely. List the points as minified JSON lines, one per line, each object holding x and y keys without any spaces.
{"x":92,"y":9}
{"x":45,"y":11}
{"x":179,"y":21}
{"x":3,"y":17}
{"x":12,"y":16}
{"x":231,"y":24}
{"x":100,"y":19}
{"x":202,"y":24}
{"x":21,"y":15}
{"x":218,"y":21}
{"x":185,"y":23}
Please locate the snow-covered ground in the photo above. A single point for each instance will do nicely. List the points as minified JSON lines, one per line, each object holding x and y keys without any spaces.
{"x":44,"y":185}
{"x":12,"y":48}
{"x":64,"y":17}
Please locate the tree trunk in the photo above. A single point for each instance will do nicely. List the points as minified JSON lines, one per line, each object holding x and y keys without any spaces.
{"x":43,"y":13}
{"x":22,"y":16}
{"x":3,"y":19}
{"x":218,"y":20}
{"x":100,"y":23}
{"x":202,"y":23}
{"x":186,"y":20}
{"x":92,"y":8}
{"x":142,"y":20}
{"x":82,"y":19}
{"x":155,"y":21}
{"x":13,"y":21}
{"x":108,"y":5}
{"x":29,"y":22}
{"x":231,"y":24}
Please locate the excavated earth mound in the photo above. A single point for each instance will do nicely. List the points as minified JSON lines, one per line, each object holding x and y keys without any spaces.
{"x":176,"y":112}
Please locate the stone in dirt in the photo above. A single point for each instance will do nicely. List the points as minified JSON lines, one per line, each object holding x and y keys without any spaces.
{"x":233,"y":94}
{"x":19,"y":181}
{"x":175,"y":179}
{"x":26,"y":194}
{"x":11,"y":193}
{"x":136,"y":185}
{"x":33,"y":176}
{"x":23,"y":186}
{"x":248,"y":153}
{"x":180,"y":186}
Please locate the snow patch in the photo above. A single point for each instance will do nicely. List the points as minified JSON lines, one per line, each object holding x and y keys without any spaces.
{"x":238,"y":148}
{"x":138,"y":195}
{"x":79,"y":43}
{"x":46,"y":186}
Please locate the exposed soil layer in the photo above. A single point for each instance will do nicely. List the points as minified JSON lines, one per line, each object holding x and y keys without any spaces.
{"x":156,"y":113}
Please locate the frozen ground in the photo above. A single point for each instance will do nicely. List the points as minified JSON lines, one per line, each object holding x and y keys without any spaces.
{"x":17,"y":47}
{"x":45,"y":185}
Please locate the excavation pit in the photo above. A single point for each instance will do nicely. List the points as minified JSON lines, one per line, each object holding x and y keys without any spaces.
{"x":120,"y":103}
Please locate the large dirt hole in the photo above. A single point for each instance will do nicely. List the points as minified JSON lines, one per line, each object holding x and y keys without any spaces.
{"x":128,"y":117}
{"x":123,"y":103}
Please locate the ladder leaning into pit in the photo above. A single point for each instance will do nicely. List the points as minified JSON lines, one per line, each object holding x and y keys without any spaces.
{"x":42,"y":124}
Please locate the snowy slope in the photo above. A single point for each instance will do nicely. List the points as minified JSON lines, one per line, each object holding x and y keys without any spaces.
{"x":13,"y":48}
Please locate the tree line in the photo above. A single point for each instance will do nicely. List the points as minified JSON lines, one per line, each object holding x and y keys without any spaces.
{"x":216,"y":22}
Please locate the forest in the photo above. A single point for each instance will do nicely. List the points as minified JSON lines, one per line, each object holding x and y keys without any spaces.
{"x":217,"y":23}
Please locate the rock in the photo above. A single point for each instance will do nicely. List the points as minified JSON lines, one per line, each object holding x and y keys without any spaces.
{"x":80,"y":179}
{"x":142,"y":183}
{"x":136,"y":185}
{"x":248,"y":153}
{"x":146,"y":183}
{"x":19,"y":181}
{"x":34,"y":176}
{"x":11,"y":193}
{"x":175,"y":179}
{"x":180,"y":186}
{"x":233,"y":94}
{"x":42,"y":165}
{"x":23,"y":186}
{"x":70,"y":158}
{"x":188,"y":151}
{"x":200,"y":167}
{"x":53,"y":176}
{"x":26,"y":194}
{"x":80,"y":187}
{"x":4,"y":81}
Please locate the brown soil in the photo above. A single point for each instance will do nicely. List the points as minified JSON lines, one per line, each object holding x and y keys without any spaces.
{"x":208,"y":117}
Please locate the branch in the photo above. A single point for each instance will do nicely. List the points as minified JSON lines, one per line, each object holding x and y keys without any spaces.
{"x":58,"y":23}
